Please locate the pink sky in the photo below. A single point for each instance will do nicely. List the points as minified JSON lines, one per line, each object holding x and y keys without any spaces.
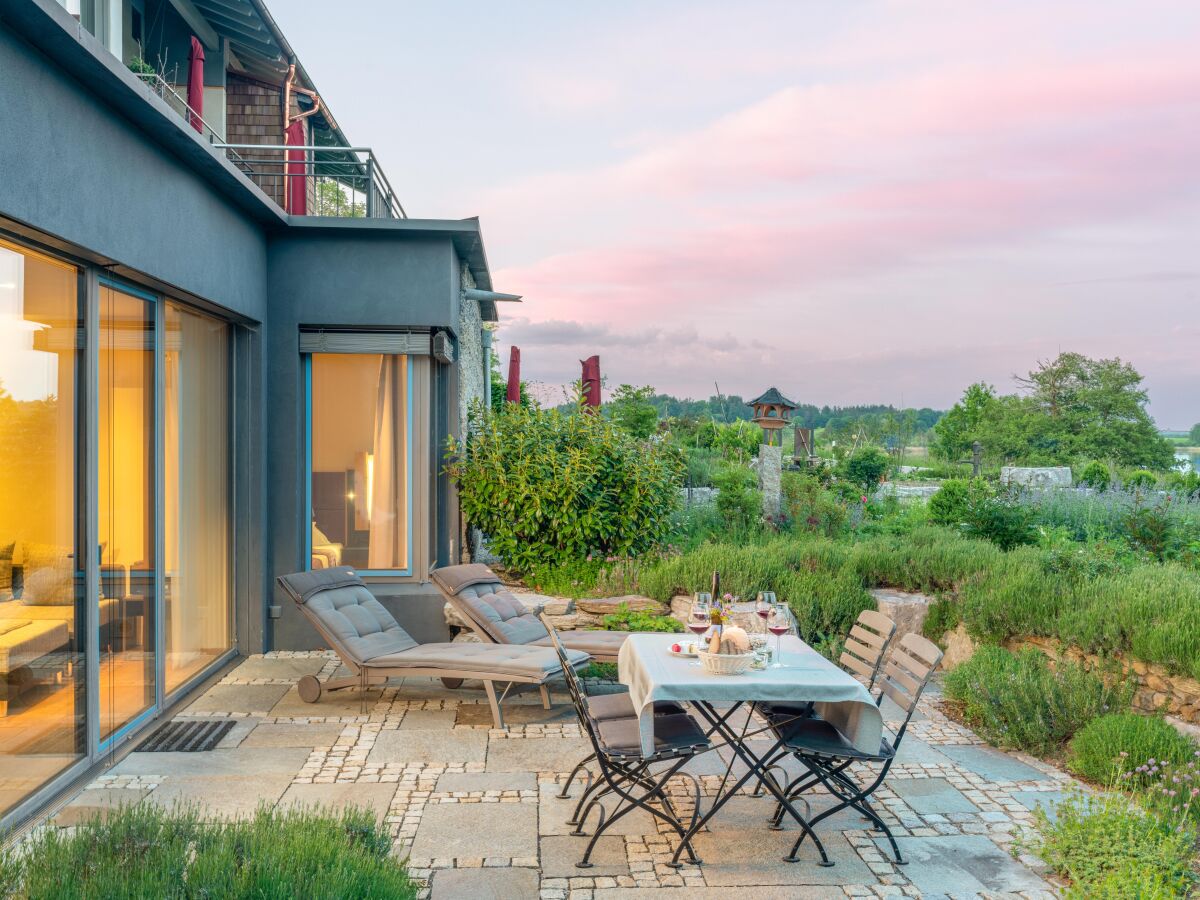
{"x":858,"y":202}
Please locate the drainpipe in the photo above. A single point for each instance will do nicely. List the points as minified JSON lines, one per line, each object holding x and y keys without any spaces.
{"x":486,"y":337}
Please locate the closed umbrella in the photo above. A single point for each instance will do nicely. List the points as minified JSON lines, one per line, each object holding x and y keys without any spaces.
{"x":591,"y":380}
{"x":513,"y":393}
{"x":195,"y":88}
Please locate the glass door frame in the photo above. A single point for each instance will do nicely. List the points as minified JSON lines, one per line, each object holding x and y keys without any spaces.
{"x":91,"y":279}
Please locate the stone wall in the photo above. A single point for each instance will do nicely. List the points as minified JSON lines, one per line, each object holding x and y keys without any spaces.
{"x":1155,"y":689}
{"x":472,"y":383}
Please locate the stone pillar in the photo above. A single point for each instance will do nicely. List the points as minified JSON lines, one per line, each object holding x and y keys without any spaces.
{"x":770,"y":478}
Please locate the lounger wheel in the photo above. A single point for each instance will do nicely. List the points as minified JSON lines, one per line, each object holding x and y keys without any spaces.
{"x":453,"y":683}
{"x":309,"y":688}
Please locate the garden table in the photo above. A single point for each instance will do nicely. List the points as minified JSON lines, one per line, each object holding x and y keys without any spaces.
{"x":653,"y":675}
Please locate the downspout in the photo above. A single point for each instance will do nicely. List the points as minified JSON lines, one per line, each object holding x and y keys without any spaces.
{"x":486,"y":338}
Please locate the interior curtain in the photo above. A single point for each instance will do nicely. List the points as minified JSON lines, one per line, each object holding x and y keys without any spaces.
{"x":387,"y":546}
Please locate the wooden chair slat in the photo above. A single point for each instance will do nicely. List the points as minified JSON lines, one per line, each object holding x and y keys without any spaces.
{"x":869,"y":638}
{"x":901,"y":699}
{"x":850,"y":661}
{"x":897,"y":674}
{"x":862,"y":651}
{"x":872,"y":618}
{"x":918,"y":668}
{"x":922,"y":648}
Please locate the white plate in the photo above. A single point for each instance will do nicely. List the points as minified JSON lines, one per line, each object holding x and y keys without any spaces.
{"x":683,"y":653}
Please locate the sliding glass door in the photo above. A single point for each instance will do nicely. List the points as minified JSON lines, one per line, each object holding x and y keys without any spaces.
{"x":196,"y":491}
{"x":127,"y":533}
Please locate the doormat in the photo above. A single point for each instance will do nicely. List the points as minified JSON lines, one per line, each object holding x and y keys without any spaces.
{"x":186,"y":737}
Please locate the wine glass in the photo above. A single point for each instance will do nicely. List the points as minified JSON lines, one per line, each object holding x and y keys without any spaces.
{"x":701,"y":617}
{"x":762,"y":604}
{"x":778,"y":625}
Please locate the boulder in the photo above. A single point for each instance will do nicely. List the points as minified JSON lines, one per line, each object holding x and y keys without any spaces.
{"x":907,"y":610}
{"x":602,"y":606}
{"x":959,"y":647}
{"x":1036,"y":476}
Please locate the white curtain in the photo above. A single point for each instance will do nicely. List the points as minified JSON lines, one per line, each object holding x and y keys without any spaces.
{"x":388,"y":544}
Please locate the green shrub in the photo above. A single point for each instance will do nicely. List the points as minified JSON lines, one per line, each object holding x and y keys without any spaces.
{"x":146,"y":851}
{"x":1019,"y":701}
{"x":950,"y":504}
{"x":738,"y":499}
{"x":548,"y":486}
{"x":943,"y":615}
{"x":866,"y":467}
{"x":810,"y":507}
{"x":626,"y":619}
{"x":1096,"y":476}
{"x":1141,"y":480}
{"x":1125,"y":741}
{"x":1108,"y":847}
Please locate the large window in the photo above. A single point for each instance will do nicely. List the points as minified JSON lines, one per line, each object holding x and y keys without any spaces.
{"x":361,"y":470}
{"x":196,"y":486}
{"x":42,"y":636}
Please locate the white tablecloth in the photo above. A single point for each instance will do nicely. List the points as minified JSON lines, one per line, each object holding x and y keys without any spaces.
{"x":653,"y":675}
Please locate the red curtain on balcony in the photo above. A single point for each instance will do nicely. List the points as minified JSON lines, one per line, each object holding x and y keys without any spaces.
{"x":591,"y":381}
{"x":513,"y":392}
{"x":297,"y":185}
{"x":195,"y":100}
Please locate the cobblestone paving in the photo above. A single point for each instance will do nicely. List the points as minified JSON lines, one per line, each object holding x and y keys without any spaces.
{"x":452,"y":791}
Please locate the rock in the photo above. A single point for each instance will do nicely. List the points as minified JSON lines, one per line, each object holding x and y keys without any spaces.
{"x":551,"y":606}
{"x":681,"y":607}
{"x":770,"y":478}
{"x":465,"y":637}
{"x":959,"y":647}
{"x":1186,"y":728}
{"x":568,"y":622}
{"x":907,"y":610}
{"x":594,"y":609}
{"x":1036,"y":476}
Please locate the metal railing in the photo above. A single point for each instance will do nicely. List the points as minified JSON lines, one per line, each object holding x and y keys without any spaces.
{"x":346,"y":182}
{"x":176,"y":101}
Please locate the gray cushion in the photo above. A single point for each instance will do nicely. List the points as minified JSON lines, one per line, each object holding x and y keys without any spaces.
{"x":496,"y":659}
{"x":597,"y":643}
{"x":499,"y":613}
{"x":354,"y":619}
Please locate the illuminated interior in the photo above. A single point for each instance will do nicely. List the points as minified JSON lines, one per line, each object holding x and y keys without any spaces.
{"x":360,"y":461}
{"x":42,"y":700}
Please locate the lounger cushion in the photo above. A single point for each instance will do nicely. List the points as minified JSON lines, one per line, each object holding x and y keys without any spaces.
{"x":340,"y":601}
{"x":597,"y":643}
{"x":478,"y":594}
{"x":497,"y":659}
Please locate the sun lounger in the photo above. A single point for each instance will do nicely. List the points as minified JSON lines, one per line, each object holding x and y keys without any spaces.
{"x":479,"y":597}
{"x":374,"y":647}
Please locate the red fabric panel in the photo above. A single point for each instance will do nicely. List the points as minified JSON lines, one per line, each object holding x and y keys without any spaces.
{"x":513,"y":393}
{"x":297,"y":183}
{"x":591,"y":380}
{"x":195,"y":89}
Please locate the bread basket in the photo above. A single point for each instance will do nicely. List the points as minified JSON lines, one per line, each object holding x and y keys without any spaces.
{"x":725,"y":663}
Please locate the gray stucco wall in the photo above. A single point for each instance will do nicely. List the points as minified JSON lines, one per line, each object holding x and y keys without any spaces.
{"x":359,"y":277}
{"x":471,"y":383}
{"x":78,"y":171}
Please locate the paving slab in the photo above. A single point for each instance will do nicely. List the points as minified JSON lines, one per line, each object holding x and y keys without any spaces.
{"x":284,"y":669}
{"x":292,"y":736}
{"x":1047,"y":800}
{"x":234,"y":737}
{"x":332,"y":703}
{"x":375,"y":797}
{"x":238,"y":698}
{"x":809,"y":892}
{"x":516,"y":714}
{"x":748,"y":813}
{"x":485,"y":884}
{"x":223,"y":797}
{"x":487,"y":781}
{"x":993,"y":765}
{"x":98,"y":802}
{"x":962,"y":866}
{"x":560,"y":853}
{"x":477,"y":831}
{"x":215,"y":763}
{"x":553,"y":814}
{"x":751,"y":857}
{"x":429,"y":746}
{"x":547,"y":754}
{"x":932,"y":795}
{"x":429,"y":720}
{"x":916,"y":752}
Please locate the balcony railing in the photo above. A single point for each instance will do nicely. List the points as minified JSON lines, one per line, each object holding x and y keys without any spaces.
{"x":176,"y":101}
{"x":346,"y":182}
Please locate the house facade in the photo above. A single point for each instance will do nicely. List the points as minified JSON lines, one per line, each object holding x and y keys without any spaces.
{"x":226,"y":353}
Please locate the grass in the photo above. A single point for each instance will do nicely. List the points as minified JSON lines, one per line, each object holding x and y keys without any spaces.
{"x":149,"y":852}
{"x":1018,"y":701}
{"x":1125,"y":742}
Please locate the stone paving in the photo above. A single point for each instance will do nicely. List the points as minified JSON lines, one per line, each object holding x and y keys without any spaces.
{"x":475,"y":809}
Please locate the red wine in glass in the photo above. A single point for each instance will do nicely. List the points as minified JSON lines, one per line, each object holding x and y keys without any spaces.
{"x":764,"y":613}
{"x":698,"y":628}
{"x":779,"y":629}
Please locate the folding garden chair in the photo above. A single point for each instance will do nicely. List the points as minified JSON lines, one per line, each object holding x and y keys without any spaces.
{"x":624,"y":772}
{"x":828,"y":755}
